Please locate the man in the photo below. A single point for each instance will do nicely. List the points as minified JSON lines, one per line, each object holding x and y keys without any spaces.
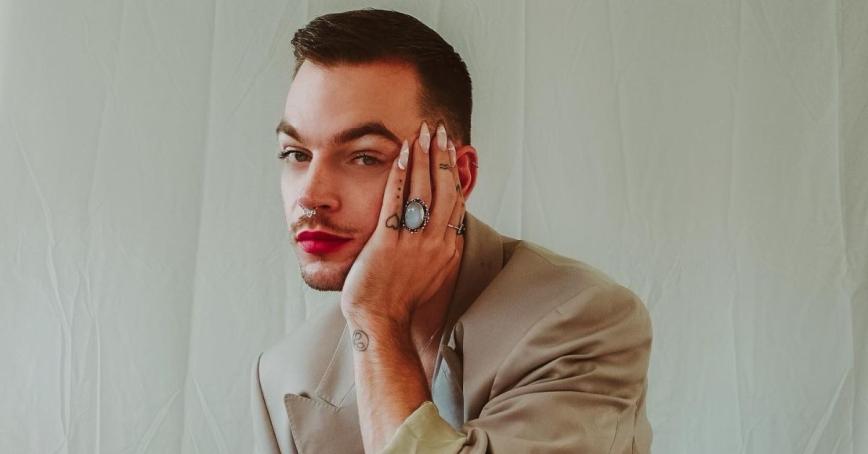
{"x":536,"y":352}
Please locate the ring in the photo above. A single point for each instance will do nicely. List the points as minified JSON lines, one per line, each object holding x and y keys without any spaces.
{"x":459,"y":230}
{"x":415,"y":215}
{"x":307,"y":212}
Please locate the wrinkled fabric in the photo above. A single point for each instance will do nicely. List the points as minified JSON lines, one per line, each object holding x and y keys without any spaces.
{"x":425,"y":432}
{"x":710,"y":156}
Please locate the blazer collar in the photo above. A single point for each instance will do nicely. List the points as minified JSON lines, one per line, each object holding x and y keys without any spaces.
{"x":481,"y":260}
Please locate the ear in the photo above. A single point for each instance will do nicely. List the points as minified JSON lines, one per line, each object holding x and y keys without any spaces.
{"x":466,"y":162}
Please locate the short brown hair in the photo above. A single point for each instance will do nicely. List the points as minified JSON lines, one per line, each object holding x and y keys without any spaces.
{"x":368,"y":35}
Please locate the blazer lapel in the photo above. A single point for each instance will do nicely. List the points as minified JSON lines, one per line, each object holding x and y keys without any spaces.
{"x":315,"y":424}
{"x":330,"y":418}
{"x":481,"y":261}
{"x":338,"y":381}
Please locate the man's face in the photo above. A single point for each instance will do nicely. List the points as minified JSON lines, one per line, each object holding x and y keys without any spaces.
{"x":342,"y":126}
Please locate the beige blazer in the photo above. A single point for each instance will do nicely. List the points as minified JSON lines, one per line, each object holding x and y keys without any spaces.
{"x":540,"y":354}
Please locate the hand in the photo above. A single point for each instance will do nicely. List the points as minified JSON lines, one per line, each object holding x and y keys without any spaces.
{"x":398,"y":269}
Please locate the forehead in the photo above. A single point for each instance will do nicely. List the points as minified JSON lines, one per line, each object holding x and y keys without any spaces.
{"x":324,"y":99}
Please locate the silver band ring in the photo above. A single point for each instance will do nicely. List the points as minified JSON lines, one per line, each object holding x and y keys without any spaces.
{"x":459,"y":230}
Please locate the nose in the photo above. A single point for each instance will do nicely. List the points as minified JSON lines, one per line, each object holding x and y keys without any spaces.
{"x":318,"y":189}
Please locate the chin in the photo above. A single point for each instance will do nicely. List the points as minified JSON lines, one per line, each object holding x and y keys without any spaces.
{"x":325,"y":277}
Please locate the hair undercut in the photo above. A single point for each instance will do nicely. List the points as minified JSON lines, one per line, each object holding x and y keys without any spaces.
{"x":369,"y":35}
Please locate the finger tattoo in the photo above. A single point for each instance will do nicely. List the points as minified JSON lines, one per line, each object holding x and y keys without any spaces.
{"x":360,"y":340}
{"x":444,"y":166}
{"x":394,"y":222}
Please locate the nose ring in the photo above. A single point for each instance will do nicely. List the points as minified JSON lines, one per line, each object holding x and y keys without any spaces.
{"x":307,"y":212}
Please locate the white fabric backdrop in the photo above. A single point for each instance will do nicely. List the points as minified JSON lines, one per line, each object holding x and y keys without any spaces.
{"x":711,"y":155}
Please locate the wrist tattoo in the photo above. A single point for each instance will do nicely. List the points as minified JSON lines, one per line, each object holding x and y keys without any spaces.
{"x":360,"y":340}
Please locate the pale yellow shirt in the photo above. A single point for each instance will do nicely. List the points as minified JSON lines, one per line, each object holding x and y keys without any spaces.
{"x":424,"y":431}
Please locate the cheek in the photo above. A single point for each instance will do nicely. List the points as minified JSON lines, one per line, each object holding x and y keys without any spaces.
{"x":363,"y":203}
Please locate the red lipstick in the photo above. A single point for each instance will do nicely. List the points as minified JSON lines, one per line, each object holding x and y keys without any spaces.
{"x":319,"y":242}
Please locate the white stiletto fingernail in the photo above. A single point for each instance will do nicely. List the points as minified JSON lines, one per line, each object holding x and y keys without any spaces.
{"x":425,"y":137}
{"x":441,"y":137}
{"x":451,"y":149}
{"x":404,"y":156}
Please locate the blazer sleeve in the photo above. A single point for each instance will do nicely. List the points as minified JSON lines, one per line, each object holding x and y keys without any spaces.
{"x":264,"y":441}
{"x":574,"y":383}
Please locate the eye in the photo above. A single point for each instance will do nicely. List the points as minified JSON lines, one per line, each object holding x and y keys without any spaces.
{"x":294,"y":155}
{"x":365,"y":159}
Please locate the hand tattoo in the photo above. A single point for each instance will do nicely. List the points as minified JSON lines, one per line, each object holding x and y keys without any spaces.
{"x":360,"y":340}
{"x":394,"y":222}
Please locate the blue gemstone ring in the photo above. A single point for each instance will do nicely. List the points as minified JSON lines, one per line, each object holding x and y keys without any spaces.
{"x":415,"y":215}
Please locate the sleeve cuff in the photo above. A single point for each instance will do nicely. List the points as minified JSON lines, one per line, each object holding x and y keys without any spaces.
{"x":424,"y":431}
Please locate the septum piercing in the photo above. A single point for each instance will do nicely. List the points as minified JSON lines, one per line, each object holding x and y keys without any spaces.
{"x":307,"y":212}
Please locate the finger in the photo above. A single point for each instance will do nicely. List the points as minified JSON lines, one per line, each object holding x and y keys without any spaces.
{"x":445,"y":190}
{"x":456,"y":218}
{"x":420,"y":175}
{"x":393,"y":195}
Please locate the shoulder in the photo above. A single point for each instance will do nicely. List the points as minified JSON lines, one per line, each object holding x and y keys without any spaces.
{"x":542,"y":307}
{"x":536,"y":282}
{"x":561,"y":290}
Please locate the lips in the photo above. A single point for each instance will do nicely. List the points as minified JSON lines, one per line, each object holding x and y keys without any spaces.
{"x":319,"y":243}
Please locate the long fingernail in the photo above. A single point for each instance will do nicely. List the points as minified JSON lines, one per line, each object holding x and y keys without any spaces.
{"x":404,"y":156}
{"x":441,"y":137}
{"x":451,"y":150}
{"x":425,"y":137}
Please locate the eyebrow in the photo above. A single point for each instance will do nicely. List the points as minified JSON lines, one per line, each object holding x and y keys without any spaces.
{"x":370,"y":128}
